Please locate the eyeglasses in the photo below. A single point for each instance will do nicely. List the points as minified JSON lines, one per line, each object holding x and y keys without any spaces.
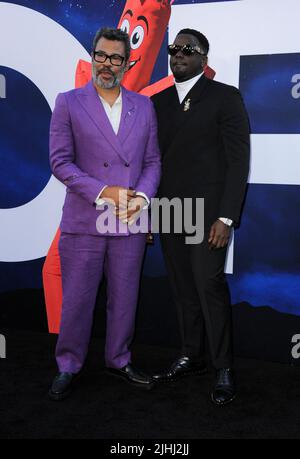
{"x":114,"y":59}
{"x":187,"y":50}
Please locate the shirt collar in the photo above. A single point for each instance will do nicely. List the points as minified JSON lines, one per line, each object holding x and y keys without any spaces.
{"x":181,"y":86}
{"x":118,"y":100}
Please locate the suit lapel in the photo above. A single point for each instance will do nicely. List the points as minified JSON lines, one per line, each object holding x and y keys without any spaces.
{"x":194,"y":96}
{"x":91,"y":103}
{"x":169,"y":118}
{"x":128,"y":116}
{"x":184,"y":111}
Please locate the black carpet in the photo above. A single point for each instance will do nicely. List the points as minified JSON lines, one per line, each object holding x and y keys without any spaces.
{"x":104,"y":407}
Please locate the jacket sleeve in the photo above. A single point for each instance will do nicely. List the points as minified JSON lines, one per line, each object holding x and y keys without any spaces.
{"x":149,"y":180}
{"x":234,"y":125}
{"x":63,"y":156}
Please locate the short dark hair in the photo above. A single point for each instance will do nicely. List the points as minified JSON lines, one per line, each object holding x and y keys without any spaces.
{"x":203,"y":42}
{"x":115,"y":35}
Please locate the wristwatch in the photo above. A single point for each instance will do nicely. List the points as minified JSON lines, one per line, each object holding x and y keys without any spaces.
{"x":226,"y":221}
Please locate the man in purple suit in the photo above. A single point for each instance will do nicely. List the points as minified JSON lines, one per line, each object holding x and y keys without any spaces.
{"x":104,"y":148}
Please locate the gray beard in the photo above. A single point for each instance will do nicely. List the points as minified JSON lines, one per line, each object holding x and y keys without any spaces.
{"x":109,"y":85}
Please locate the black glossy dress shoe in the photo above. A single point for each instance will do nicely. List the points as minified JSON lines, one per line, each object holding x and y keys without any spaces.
{"x":224,"y":391}
{"x":184,"y":366}
{"x":61,"y":386}
{"x":133,"y":375}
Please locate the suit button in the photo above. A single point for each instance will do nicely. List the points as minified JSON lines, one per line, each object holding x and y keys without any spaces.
{"x":105,"y":164}
{"x":126,"y":164}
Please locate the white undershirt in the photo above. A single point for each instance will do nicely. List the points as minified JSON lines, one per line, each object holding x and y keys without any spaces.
{"x":184,"y":87}
{"x":113,"y":112}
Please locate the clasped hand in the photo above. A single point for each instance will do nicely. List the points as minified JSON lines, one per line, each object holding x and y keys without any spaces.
{"x":131,"y":213}
{"x":128,"y":206}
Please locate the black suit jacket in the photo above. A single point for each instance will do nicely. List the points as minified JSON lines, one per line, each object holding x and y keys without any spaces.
{"x":205,"y":149}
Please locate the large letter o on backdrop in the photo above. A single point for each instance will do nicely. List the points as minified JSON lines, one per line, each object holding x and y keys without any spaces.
{"x":26,"y":232}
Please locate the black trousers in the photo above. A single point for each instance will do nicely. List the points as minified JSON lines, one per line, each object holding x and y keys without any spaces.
{"x":202,"y":298}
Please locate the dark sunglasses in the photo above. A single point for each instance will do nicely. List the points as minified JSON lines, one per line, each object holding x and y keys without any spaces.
{"x":187,"y":50}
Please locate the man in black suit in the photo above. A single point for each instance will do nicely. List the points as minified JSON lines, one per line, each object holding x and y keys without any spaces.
{"x":204,"y":139}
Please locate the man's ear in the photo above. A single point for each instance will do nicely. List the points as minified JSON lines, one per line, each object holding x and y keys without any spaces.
{"x":204,"y":61}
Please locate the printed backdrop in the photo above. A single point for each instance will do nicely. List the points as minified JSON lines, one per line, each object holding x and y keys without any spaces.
{"x":254,"y":45}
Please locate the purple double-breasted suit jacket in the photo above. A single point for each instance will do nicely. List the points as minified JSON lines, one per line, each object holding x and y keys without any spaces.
{"x":86,"y":154}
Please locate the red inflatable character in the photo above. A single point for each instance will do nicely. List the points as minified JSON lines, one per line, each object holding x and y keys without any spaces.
{"x":146,"y":23}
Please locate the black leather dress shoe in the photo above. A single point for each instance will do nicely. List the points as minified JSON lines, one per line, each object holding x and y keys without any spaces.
{"x":61,"y":386}
{"x":133,"y":376}
{"x":184,"y":366}
{"x":224,"y":391}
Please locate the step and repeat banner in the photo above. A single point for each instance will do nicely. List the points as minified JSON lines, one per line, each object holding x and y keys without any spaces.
{"x":255,"y":45}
